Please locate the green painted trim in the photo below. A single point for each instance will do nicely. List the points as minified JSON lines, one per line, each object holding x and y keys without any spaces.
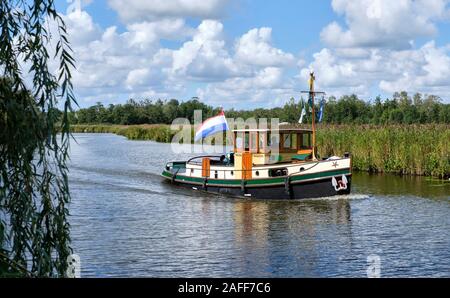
{"x":320,"y":175}
{"x":166,"y":174}
{"x":257,"y":182}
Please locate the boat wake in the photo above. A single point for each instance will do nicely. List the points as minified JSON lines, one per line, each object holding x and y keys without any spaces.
{"x":114,"y":172}
{"x":342,"y":197}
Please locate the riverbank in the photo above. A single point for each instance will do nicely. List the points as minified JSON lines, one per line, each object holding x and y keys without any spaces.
{"x":400,"y":149}
{"x":158,"y":133}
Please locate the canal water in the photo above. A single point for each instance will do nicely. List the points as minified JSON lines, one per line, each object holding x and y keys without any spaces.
{"x":126,"y":222}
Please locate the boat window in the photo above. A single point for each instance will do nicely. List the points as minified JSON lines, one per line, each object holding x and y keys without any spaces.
{"x":239,"y":142}
{"x":294,"y":141}
{"x":306,"y":140}
{"x":262,"y":142}
{"x":286,"y":141}
{"x":247,"y":142}
{"x":254,"y":142}
{"x":273,"y":141}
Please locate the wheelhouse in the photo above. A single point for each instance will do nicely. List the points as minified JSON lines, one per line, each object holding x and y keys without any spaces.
{"x":274,"y":146}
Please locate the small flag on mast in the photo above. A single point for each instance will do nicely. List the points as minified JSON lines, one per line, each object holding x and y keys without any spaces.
{"x":303,"y":113}
{"x":322,"y":104}
{"x":310,"y":102}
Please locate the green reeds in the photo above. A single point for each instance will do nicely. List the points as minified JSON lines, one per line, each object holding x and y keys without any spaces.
{"x":401,"y":149}
{"x":157,"y":133}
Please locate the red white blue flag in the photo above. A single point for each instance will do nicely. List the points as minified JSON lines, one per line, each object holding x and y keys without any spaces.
{"x":212,"y":126}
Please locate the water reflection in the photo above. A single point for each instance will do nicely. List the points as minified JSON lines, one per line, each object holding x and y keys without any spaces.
{"x":253,"y":218}
{"x":402,"y":185}
{"x":288,"y":236}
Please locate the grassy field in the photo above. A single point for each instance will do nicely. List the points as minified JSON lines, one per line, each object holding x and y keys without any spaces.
{"x":402,"y":149}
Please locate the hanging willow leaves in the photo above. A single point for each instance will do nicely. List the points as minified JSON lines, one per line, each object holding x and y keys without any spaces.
{"x":34,"y":190}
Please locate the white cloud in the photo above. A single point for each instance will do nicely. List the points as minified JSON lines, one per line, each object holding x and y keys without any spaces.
{"x":111,"y":62}
{"x":255,"y":48}
{"x":383,"y":23}
{"x":147,"y":33}
{"x":425,"y":70}
{"x":81,"y":27}
{"x":138,"y":10}
{"x":114,"y":66}
{"x":269,"y":86}
{"x":331,"y":72}
{"x":376,"y":51}
{"x":205,"y":57}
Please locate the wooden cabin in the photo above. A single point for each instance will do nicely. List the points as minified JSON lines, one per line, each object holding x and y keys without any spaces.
{"x":259,"y":147}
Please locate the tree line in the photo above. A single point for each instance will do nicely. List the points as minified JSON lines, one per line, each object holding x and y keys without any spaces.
{"x":400,"y":109}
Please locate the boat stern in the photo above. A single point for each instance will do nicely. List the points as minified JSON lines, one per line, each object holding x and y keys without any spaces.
{"x":173,"y":168}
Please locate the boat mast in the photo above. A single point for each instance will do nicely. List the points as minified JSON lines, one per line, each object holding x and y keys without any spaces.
{"x":311,"y":94}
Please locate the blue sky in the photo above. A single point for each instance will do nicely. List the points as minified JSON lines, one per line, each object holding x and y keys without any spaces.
{"x":252,"y":53}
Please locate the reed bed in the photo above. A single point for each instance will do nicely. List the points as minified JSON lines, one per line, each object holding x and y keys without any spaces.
{"x":401,"y":149}
{"x":157,"y":133}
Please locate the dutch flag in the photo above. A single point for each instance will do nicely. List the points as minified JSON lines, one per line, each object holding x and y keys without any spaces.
{"x":212,"y":126}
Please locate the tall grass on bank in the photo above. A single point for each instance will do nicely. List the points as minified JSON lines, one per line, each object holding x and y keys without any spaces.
{"x":402,"y":149}
{"x":157,"y":133}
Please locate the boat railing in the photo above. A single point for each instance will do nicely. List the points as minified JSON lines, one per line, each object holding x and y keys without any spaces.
{"x":176,"y":165}
{"x":205,"y":156}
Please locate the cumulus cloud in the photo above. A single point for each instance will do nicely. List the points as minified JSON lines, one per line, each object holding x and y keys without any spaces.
{"x":269,"y":86}
{"x":205,"y":57}
{"x":81,"y":27}
{"x":255,"y":48}
{"x":426,"y":69}
{"x":383,"y":23}
{"x":138,"y":10}
{"x":376,"y":51}
{"x":114,"y":65}
{"x":147,"y":33}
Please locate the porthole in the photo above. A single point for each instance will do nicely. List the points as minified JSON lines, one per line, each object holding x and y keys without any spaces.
{"x":232,"y":173}
{"x":302,"y":169}
{"x":257,"y":173}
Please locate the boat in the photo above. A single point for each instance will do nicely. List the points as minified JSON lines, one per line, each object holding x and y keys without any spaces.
{"x":271,"y":163}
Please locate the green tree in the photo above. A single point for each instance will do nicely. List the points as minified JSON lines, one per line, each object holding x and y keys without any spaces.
{"x":34,"y":189}
{"x":170,"y":110}
{"x":347,"y":110}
